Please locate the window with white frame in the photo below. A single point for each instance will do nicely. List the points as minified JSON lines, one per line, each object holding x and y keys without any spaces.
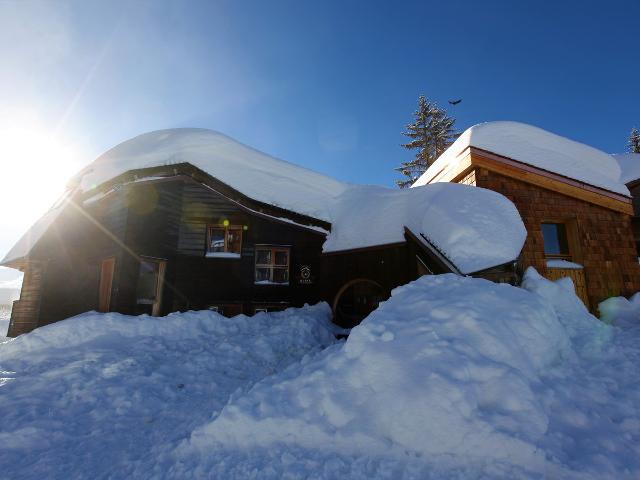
{"x":224,"y":241}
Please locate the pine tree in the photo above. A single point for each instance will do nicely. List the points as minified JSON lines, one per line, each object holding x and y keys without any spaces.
{"x":431,"y":134}
{"x":634,"y":141}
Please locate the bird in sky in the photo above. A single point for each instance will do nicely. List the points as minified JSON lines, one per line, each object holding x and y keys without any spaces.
{"x":455,"y":102}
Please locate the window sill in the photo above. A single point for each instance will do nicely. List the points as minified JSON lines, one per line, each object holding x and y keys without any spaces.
{"x":267,"y":282}
{"x":565,"y":264}
{"x":222,"y":255}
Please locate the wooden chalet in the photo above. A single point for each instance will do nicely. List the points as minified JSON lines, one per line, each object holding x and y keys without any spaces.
{"x":577,"y":213}
{"x":173,"y":237}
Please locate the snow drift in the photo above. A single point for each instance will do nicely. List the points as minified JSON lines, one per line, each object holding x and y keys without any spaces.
{"x":450,"y":367}
{"x":110,"y":395}
{"x":453,"y":377}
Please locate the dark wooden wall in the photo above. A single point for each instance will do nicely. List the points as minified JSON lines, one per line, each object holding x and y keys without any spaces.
{"x":167,"y":220}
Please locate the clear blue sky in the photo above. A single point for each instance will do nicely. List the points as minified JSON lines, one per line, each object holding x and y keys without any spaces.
{"x":325,"y":84}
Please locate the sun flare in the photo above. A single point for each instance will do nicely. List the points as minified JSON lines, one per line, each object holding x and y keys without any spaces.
{"x":34,"y":167}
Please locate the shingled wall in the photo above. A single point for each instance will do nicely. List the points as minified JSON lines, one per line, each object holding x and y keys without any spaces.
{"x":604,"y":238}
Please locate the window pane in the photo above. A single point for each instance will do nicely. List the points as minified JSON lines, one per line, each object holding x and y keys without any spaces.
{"x":280,"y":275}
{"x":216,"y":240}
{"x":263,"y":274}
{"x":555,"y":239}
{"x":263,"y":257}
{"x":282,"y":257}
{"x":234,"y":240}
{"x":147,"y":280}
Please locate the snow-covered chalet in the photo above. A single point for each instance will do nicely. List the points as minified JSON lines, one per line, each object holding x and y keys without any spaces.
{"x":186,"y":219}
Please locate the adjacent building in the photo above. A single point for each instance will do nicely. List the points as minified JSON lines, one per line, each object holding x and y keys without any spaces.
{"x":572,"y":199}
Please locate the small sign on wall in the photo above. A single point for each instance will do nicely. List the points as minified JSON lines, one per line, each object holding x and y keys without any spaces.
{"x":304,"y":275}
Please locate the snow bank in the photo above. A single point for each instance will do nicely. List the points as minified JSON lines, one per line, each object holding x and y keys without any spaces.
{"x":620,"y":311}
{"x":629,"y":164}
{"x":447,"y":366}
{"x":474,"y":227}
{"x":109,"y":395}
{"x":538,"y":148}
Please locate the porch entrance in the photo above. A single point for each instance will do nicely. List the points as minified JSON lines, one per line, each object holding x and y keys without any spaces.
{"x":149,"y":289}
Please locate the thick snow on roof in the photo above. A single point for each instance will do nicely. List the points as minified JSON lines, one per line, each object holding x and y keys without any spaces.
{"x":629,"y":166}
{"x":538,"y":148}
{"x":251,"y":172}
{"x":474,"y":228}
{"x":30,"y":238}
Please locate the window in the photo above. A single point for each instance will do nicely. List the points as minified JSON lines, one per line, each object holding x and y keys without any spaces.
{"x":224,"y":242}
{"x":555,"y":241}
{"x":272,"y":265}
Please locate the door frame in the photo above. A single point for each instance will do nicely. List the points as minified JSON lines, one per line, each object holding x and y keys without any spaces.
{"x":162,"y":266}
{"x":105,"y":285}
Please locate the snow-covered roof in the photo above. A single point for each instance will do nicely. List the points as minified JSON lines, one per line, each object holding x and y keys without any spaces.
{"x":473,"y":227}
{"x":629,"y":166}
{"x":538,"y":148}
{"x":24,"y":245}
{"x":251,"y":172}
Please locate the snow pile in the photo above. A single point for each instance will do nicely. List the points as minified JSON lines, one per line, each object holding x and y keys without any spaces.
{"x":453,"y":377}
{"x":474,"y":227}
{"x":110,"y":395}
{"x":620,"y":311}
{"x":629,"y":166}
{"x":539,"y":148}
{"x":450,"y":372}
{"x":446,"y":367}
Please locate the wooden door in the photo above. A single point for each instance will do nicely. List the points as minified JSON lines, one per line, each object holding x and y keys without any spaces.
{"x":150,"y":286}
{"x":107,"y":268}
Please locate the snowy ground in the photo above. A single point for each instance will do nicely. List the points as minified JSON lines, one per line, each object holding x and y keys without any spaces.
{"x":452,"y":377}
{"x":5,"y":316}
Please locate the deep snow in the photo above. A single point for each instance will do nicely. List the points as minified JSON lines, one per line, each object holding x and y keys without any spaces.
{"x":453,"y":377}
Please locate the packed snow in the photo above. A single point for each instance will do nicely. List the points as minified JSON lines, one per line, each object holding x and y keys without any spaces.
{"x":458,"y":220}
{"x":452,"y":377}
{"x":629,"y":166}
{"x":536,"y":147}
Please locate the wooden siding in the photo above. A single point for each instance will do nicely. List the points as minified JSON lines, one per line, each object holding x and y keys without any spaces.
{"x":203,"y":282}
{"x":26,"y":310}
{"x":602,"y":241}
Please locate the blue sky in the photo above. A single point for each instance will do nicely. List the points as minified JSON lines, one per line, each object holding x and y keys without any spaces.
{"x":328,"y":85}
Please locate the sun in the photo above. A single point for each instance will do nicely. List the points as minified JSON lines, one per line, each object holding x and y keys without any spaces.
{"x":34,"y":169}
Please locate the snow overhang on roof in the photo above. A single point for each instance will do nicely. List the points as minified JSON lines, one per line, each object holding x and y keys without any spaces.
{"x":538,"y":148}
{"x":629,"y":164}
{"x":475,"y":228}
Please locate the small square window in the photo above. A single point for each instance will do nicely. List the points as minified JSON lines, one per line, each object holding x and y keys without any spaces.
{"x":272,"y":265}
{"x":224,"y":242}
{"x":555,"y":240}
